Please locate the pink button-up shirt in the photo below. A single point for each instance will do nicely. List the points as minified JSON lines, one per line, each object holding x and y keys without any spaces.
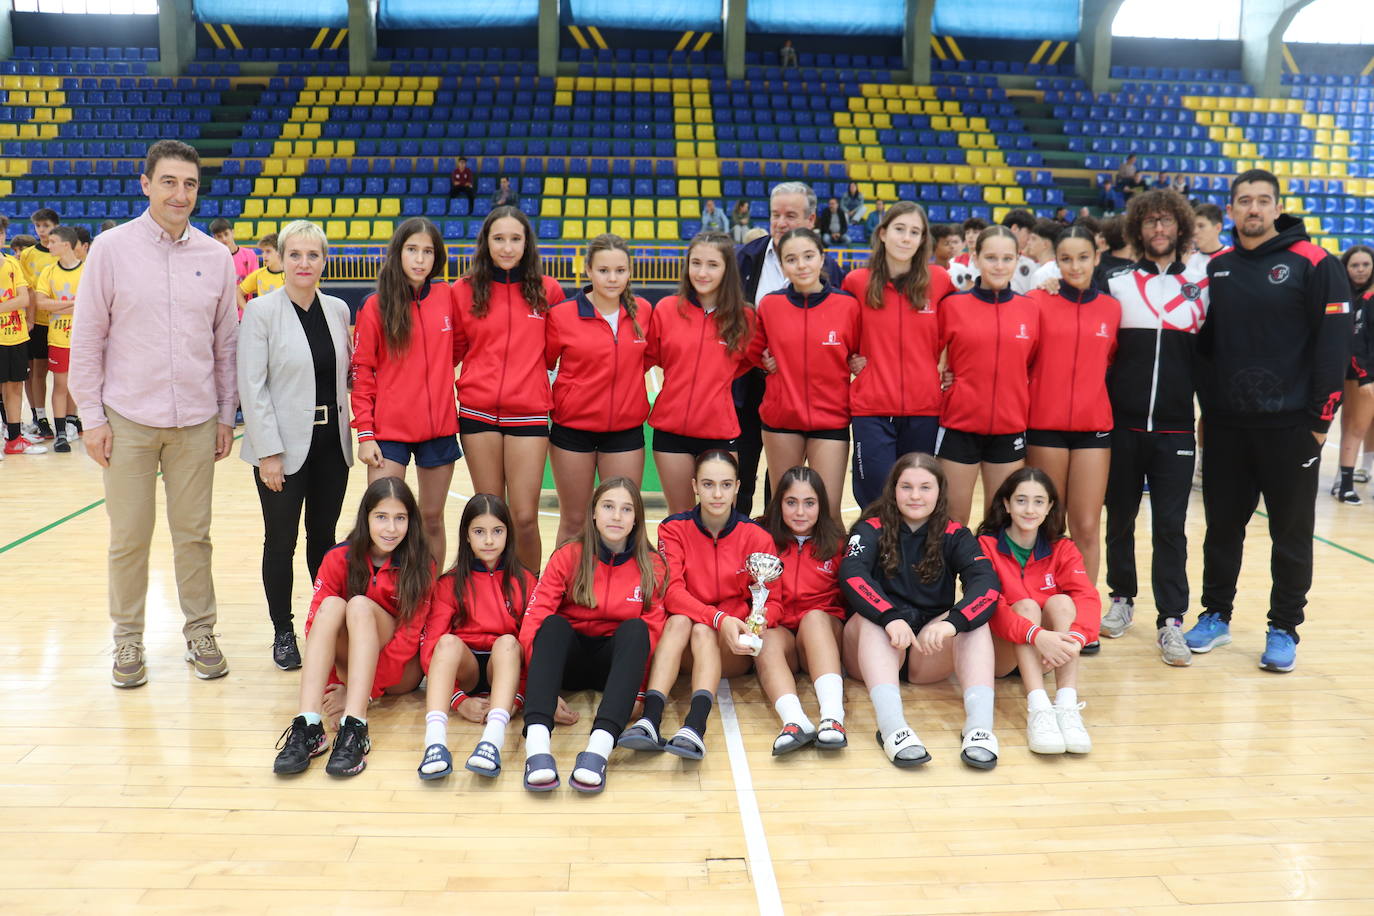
{"x":155,"y":328}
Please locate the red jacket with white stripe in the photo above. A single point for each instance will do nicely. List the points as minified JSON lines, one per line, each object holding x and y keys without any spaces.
{"x":332,"y":582}
{"x":600,"y":383}
{"x":406,"y":397}
{"x":707,"y":579}
{"x":991,"y":339}
{"x":1053,"y":569}
{"x":811,"y":336}
{"x":502,"y":352}
{"x":1068,"y":382}
{"x":697,"y":370}
{"x":619,"y":596}
{"x":902,"y":345}
{"x":808,"y":583}
{"x":489,"y":615}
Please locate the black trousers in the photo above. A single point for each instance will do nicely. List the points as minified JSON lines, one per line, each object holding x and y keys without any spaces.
{"x":1238,"y":467}
{"x":1165,"y":460}
{"x":748,"y":396}
{"x":318,"y":487}
{"x":564,"y":658}
{"x":465,"y":192}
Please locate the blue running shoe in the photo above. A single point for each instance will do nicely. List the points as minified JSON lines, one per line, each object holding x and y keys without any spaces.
{"x":1209,"y":632}
{"x":1280,"y":651}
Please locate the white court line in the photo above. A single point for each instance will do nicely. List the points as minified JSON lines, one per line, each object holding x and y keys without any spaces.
{"x":756,"y":843}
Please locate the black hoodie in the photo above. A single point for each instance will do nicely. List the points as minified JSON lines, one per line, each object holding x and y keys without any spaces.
{"x":1278,"y":336}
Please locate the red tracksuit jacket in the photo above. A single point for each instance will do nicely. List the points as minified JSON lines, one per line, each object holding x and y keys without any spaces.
{"x":1068,"y":383}
{"x":406,"y":397}
{"x":332,"y":581}
{"x":902,"y":345}
{"x":697,"y":370}
{"x":1053,"y":569}
{"x":811,"y":337}
{"x":600,"y":383}
{"x":502,"y":353}
{"x":489,"y":615}
{"x":991,"y":339}
{"x":808,"y":583}
{"x":619,"y":596}
{"x":707,"y":579}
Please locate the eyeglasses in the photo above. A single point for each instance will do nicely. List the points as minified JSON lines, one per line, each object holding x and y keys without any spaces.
{"x":1163,"y":222}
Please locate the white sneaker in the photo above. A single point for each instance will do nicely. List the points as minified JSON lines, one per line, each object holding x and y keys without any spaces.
{"x":1076,"y":739}
{"x":1042,"y":732}
{"x":31,"y":432}
{"x":1173,"y":648}
{"x":1118,"y":618}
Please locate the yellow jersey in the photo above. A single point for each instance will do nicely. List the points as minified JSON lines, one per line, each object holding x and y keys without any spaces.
{"x":14,"y":327}
{"x":262,"y":281}
{"x":35,"y":259}
{"x":57,"y":282}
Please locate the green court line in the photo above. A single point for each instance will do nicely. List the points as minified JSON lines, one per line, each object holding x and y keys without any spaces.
{"x":1321,"y":540}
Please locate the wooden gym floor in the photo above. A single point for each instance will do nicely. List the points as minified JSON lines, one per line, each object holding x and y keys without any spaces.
{"x":1217,"y":787}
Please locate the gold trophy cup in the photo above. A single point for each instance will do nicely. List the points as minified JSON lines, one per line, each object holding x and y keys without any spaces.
{"x":762,"y":568}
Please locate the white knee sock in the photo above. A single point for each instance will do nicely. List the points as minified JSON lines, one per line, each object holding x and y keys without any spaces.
{"x":436,"y":727}
{"x":1066,"y":696}
{"x":789,"y":709}
{"x":830,"y":692}
{"x":600,"y":742}
{"x":1037,"y":699}
{"x":536,"y":740}
{"x":887,"y":707}
{"x":977,"y":708}
{"x":495,"y":729}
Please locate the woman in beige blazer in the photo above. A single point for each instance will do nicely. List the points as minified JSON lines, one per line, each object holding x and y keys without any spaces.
{"x":293,"y":358}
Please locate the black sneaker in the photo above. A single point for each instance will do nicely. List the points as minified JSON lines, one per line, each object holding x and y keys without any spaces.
{"x":351,"y":744}
{"x":45,"y":428}
{"x":61,"y":445}
{"x":285,"y":654}
{"x":298,"y":745}
{"x":1091,"y":648}
{"x":1349,"y":497}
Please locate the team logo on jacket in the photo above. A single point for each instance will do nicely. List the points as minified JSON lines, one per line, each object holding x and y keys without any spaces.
{"x":637,"y":595}
{"x":856,"y":546}
{"x":1278,"y":274}
{"x":1025,"y":270}
{"x":1194,"y":292}
{"x":828,"y":566}
{"x":1102,"y":330}
{"x":832,"y":341}
{"x":1049,"y":582}
{"x":448,"y":324}
{"x":1021,"y":333}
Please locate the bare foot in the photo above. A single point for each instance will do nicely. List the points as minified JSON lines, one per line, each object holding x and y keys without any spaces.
{"x":562,"y":715}
{"x":474,"y":709}
{"x":333,"y":706}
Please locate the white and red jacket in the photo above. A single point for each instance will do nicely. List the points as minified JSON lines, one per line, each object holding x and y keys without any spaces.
{"x":811,"y":336}
{"x":1068,"y":383}
{"x":502,"y":353}
{"x":1052,"y":569}
{"x":808,"y":583}
{"x":600,"y":384}
{"x":332,"y":582}
{"x":707,"y":578}
{"x":991,"y":339}
{"x":619,"y":596}
{"x":489,"y":615}
{"x":406,"y":397}
{"x":901,"y":342}
{"x":697,"y":370}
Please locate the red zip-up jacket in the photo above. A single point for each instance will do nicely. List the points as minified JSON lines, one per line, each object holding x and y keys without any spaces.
{"x":991,"y":340}
{"x":619,"y":596}
{"x":707,"y":578}
{"x":902,"y":346}
{"x":811,"y":337}
{"x":600,"y":384}
{"x":697,"y":370}
{"x":489,"y":615}
{"x":1053,"y":569}
{"x":406,"y":397}
{"x":1068,"y":383}
{"x":503,"y":378}
{"x":808,"y":583}
{"x":332,"y":582}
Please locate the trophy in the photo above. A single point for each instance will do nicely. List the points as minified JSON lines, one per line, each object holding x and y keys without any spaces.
{"x":763,"y":568}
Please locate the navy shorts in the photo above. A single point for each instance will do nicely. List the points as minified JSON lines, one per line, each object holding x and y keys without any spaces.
{"x":14,"y":362}
{"x":581,"y":440}
{"x":839,"y":435}
{"x":431,"y":453}
{"x":38,"y":343}
{"x":1055,"y":438}
{"x":972,"y":448}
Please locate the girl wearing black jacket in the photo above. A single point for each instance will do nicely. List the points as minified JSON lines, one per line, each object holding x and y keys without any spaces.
{"x":898,"y":580}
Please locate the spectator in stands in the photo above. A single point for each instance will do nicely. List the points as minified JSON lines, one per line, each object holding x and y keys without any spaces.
{"x":1061,"y":216}
{"x":505,"y":195}
{"x":944,"y":244}
{"x":833,"y":225}
{"x":1083,"y":213}
{"x":461,"y":181}
{"x":1113,"y":199}
{"x":739,"y":222}
{"x":874,"y":218}
{"x":141,"y":416}
{"x":1181,"y":184}
{"x":713,"y":220}
{"x":969,"y":229}
{"x":853,"y":203}
{"x":1127,"y":177}
{"x":787,"y":55}
{"x":293,"y":360}
{"x":1040,"y":249}
{"x":108,"y":224}
{"x":245,"y":259}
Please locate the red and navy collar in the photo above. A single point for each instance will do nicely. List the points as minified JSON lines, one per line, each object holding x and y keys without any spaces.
{"x":1150,"y":267}
{"x":808,"y":300}
{"x":1079,"y":296}
{"x":515,"y":275}
{"x":984,"y":294}
{"x":585,"y":309}
{"x":1041,"y":549}
{"x":616,"y":559}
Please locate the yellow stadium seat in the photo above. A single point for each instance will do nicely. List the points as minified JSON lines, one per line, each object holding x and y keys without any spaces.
{"x":262,"y":187}
{"x":268,"y":227}
{"x":667,"y":209}
{"x":1014,"y":196}
{"x":643,"y":207}
{"x":858,"y":172}
{"x":688,"y":187}
{"x":274,"y":167}
{"x":992,"y":195}
{"x":389,"y":206}
{"x":383,"y":229}
{"x":551,"y":208}
{"x":963,"y":174}
{"x":683,"y":132}
{"x":344,"y":206}
{"x":253,"y":208}
{"x":598,"y":207}
{"x":901,"y":172}
{"x":286,"y":187}
{"x":622,"y":228}
{"x":575,"y":206}
{"x":710,"y":188}
{"x":595,"y":227}
{"x":290,"y":130}
{"x":577,"y":187}
{"x":553,"y":187}
{"x":668,"y":231}
{"x":844,"y":119}
{"x":335,"y":229}
{"x":572,"y":229}
{"x":687,"y":168}
{"x":886,"y":191}
{"x":321,"y":208}
{"x":243,"y":230}
{"x":359,"y":230}
{"x":942,"y":173}
{"x":689,"y":209}
{"x":643,"y":230}
{"x":297,"y":208}
{"x":848,"y":136}
{"x":367,"y":207}
{"x":620,"y":209}
{"x":276,"y":208}
{"x":873,"y":153}
{"x":863,"y":119}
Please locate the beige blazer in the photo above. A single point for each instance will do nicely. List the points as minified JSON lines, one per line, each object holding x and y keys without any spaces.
{"x":277,"y":379}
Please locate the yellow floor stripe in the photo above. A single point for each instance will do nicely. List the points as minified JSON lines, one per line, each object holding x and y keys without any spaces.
{"x":339,"y":39}
{"x":684,"y":41}
{"x":596,"y":37}
{"x":1058,"y":53}
{"x":701,"y":42}
{"x":577,"y":37}
{"x":954,"y":48}
{"x":938,"y":48}
{"x":1040,"y":51}
{"x":319,"y":39}
{"x":219,"y":42}
{"x":232,"y":36}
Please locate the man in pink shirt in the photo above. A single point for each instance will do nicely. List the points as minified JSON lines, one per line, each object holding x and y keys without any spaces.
{"x":153,"y":371}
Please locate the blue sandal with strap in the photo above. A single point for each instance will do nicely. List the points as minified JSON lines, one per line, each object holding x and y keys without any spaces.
{"x":485,"y":750}
{"x":436,"y":753}
{"x":541,"y":762}
{"x":589,"y":761}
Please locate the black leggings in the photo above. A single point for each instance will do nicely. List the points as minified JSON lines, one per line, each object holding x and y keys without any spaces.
{"x":318,"y":486}
{"x":565,"y":658}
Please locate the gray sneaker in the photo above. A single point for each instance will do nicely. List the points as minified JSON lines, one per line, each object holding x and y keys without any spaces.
{"x":1118,"y":618}
{"x":1173,"y":648}
{"x":129,"y":670}
{"x":203,"y":653}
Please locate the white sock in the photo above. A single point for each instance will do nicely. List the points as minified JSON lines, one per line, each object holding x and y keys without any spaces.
{"x":1038,"y":699}
{"x":436,"y":727}
{"x":42,"y":413}
{"x":830,"y":692}
{"x":600,"y":742}
{"x":790,"y":710}
{"x":1066,"y":696}
{"x":495,"y":729}
{"x":1367,"y":461}
{"x":887,"y":707}
{"x":978,"y":708}
{"x":536,"y":740}
{"x":312,"y":718}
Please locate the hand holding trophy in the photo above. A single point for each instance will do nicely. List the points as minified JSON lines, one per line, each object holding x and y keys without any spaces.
{"x":763,"y":568}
